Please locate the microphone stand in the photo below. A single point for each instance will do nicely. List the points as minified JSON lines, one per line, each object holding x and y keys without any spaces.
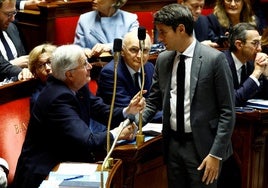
{"x":140,"y":136}
{"x":117,"y":50}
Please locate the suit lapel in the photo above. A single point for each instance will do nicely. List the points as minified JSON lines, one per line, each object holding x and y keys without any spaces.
{"x":195,"y":69}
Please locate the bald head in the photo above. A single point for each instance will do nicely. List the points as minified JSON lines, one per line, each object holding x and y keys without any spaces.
{"x":131,"y":50}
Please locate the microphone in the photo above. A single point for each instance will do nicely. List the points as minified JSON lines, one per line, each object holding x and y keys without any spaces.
{"x":117,"y":49}
{"x":141,"y":37}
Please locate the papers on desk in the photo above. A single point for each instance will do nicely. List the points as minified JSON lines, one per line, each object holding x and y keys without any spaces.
{"x":70,"y":175}
{"x":152,"y":129}
{"x":257,"y":103}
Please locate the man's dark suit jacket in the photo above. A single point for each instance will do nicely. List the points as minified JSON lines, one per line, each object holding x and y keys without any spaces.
{"x":125,"y":88}
{"x":249,"y":89}
{"x":212,"y":110}
{"x":7,"y":70}
{"x":58,"y":131}
{"x":201,"y":28}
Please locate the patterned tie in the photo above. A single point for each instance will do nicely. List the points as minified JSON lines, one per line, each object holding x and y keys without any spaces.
{"x":180,"y":97}
{"x":7,"y":48}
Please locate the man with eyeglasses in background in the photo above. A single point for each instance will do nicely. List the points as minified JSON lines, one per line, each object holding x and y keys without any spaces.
{"x":13,"y":58}
{"x":129,"y":77}
{"x":245,"y":49}
{"x":244,"y":53}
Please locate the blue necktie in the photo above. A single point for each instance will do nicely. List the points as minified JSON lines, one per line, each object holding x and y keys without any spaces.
{"x":7,"y":48}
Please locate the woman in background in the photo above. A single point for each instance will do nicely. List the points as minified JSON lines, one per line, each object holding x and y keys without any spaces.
{"x":97,"y":29}
{"x":40,"y":67}
{"x":226,"y":14}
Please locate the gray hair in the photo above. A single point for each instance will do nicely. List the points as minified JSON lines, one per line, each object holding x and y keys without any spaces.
{"x":65,"y":58}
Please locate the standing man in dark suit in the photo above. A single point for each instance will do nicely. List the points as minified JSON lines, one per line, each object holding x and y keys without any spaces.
{"x":12,"y":53}
{"x":198,"y":120}
{"x":129,"y":65}
{"x":245,"y":51}
{"x":58,"y":128}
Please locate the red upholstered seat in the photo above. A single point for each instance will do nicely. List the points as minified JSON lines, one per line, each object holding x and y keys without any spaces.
{"x":207,"y":11}
{"x":93,"y":86}
{"x":146,"y":20}
{"x":14,"y":120}
{"x":65,"y":30}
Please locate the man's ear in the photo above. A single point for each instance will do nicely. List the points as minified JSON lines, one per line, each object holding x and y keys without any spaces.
{"x":238,"y":44}
{"x":69,"y":75}
{"x":180,"y":28}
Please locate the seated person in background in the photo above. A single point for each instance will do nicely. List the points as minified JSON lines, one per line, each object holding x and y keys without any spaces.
{"x":97,"y":29}
{"x":58,"y":128}
{"x":201,"y":22}
{"x":245,"y":49}
{"x":40,"y":67}
{"x":3,"y":173}
{"x":129,"y":65}
{"x":247,"y":65}
{"x":12,"y":52}
{"x":226,"y":14}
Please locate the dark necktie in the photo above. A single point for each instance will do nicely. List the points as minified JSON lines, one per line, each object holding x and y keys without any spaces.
{"x":180,"y":97}
{"x":7,"y":48}
{"x":136,"y":80}
{"x":243,"y":74}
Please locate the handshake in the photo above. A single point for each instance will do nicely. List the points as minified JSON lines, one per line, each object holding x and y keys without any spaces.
{"x":127,"y":130}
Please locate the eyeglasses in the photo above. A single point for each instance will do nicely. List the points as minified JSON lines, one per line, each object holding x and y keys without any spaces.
{"x":235,"y":1}
{"x":43,"y":65}
{"x":85,"y":65}
{"x":256,"y":43}
{"x":137,"y":50}
{"x":10,"y":14}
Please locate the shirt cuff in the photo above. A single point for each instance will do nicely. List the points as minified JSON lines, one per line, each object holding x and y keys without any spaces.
{"x":114,"y":133}
{"x":255,"y":80}
{"x":219,"y":158}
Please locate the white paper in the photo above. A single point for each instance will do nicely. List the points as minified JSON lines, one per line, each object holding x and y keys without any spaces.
{"x":157,"y":127}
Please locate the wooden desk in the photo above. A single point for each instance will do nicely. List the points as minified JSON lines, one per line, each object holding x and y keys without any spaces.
{"x":143,"y":166}
{"x":251,"y":148}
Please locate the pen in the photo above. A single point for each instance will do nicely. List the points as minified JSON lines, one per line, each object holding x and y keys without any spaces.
{"x":75,"y":177}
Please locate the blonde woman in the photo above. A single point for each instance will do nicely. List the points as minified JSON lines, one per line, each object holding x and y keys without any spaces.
{"x":226,"y":14}
{"x":39,"y":65}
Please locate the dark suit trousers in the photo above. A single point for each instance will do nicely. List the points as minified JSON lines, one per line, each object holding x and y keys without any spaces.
{"x":182,"y":165}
